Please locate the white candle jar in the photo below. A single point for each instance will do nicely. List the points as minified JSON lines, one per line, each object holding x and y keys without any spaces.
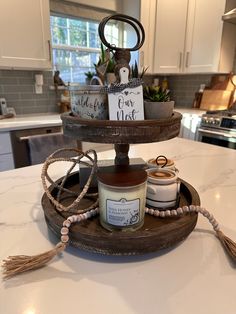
{"x":122,"y":197}
{"x":162,"y":188}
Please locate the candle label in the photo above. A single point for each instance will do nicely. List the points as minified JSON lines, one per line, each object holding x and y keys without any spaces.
{"x":123,"y":212}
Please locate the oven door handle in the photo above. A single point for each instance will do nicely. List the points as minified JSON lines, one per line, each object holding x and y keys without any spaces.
{"x":26,"y":138}
{"x":216,"y":133}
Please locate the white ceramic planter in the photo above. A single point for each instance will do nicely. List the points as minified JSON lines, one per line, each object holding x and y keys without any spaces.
{"x":158,"y":110}
{"x":89,"y":102}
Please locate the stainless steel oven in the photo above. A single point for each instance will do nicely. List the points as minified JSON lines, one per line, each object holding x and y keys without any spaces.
{"x":218,"y":128}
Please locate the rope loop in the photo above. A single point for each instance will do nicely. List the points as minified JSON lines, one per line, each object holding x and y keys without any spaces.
{"x":77,"y":159}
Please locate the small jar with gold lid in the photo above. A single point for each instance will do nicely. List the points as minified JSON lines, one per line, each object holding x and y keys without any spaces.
{"x":122,"y":197}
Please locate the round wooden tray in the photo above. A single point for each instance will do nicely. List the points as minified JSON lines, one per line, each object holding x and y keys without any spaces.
{"x":121,"y":132}
{"x":156,"y":233}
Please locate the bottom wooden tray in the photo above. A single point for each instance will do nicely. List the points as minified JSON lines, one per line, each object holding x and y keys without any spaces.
{"x":155,"y":234}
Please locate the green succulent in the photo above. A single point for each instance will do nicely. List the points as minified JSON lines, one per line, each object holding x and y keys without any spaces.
{"x":89,"y":75}
{"x":135,"y":72}
{"x":156,"y":94}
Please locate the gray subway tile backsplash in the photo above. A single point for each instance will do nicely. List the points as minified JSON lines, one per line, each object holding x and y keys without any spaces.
{"x":17,"y":86}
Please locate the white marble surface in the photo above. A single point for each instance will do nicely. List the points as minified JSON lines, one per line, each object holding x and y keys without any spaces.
{"x":30,"y":121}
{"x":190,"y":111}
{"x":194,"y":277}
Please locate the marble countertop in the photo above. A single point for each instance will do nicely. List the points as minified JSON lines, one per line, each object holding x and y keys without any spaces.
{"x":190,"y":111}
{"x":30,"y":121}
{"x":194,"y":277}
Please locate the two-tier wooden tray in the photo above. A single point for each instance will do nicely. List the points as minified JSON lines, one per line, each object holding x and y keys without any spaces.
{"x":156,"y":233}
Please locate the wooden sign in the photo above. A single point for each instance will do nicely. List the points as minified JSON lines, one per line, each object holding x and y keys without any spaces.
{"x":125,"y":103}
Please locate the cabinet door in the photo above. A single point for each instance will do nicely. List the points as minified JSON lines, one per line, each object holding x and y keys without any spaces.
{"x":147,"y":18}
{"x":25,"y":34}
{"x":6,"y":162}
{"x":203,"y":35}
{"x":170,"y":35}
{"x":5,"y":143}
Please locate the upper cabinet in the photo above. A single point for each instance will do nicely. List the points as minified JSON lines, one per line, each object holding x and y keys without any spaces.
{"x":147,"y":18}
{"x":25,"y":34}
{"x":188,"y":37}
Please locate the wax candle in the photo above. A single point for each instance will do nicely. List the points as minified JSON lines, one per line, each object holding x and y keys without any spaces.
{"x":122,"y":197}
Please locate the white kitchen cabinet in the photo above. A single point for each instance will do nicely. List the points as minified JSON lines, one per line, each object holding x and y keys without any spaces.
{"x":188,"y":37}
{"x":25,"y":34}
{"x":169,"y":36}
{"x":6,"y":157}
{"x":147,"y":18}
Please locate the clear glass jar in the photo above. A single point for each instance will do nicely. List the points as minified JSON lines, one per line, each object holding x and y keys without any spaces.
{"x":122,"y":198}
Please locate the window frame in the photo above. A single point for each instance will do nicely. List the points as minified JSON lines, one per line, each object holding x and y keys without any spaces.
{"x":71,"y":48}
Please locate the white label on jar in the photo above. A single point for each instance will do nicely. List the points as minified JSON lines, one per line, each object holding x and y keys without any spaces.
{"x":123,"y":212}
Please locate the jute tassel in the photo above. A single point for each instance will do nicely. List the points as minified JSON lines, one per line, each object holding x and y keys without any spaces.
{"x":228,"y":244}
{"x":15,"y":265}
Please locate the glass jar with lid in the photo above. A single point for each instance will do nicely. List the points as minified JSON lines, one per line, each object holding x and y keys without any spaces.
{"x":122,"y":197}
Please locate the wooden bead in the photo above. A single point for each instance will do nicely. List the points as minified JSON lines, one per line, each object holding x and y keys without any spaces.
{"x":185,"y":209}
{"x":64,"y":238}
{"x":88,"y":214}
{"x":179,"y":211}
{"x":75,"y":217}
{"x":64,"y":230}
{"x":192,"y":208}
{"x":162,"y":214}
{"x":210,"y":217}
{"x":66,"y":223}
{"x":70,"y":219}
{"x":151,"y":211}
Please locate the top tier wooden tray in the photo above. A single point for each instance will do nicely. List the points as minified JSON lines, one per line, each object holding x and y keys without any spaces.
{"x":121,"y":133}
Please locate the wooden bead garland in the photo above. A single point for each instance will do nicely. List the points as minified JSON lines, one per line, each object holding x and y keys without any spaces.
{"x":18,"y":264}
{"x":181,"y":211}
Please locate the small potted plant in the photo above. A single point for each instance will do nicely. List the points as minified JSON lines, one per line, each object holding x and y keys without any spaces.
{"x":105,"y":67}
{"x":89,"y":75}
{"x":157,"y":103}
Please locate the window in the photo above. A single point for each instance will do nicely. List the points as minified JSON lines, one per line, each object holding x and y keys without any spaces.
{"x":76,"y":46}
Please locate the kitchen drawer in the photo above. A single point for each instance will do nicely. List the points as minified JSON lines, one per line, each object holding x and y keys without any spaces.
{"x":6,"y":162}
{"x":5,"y":143}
